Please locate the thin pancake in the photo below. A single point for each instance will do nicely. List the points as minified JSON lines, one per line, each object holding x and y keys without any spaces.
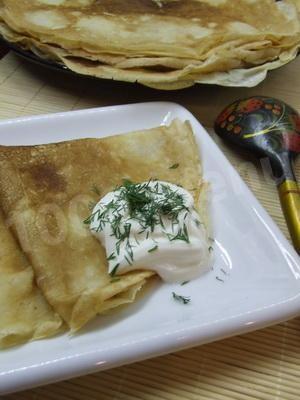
{"x":24,"y":313}
{"x":185,"y":28}
{"x":162,"y":44}
{"x":46,"y":190}
{"x":221,"y":67}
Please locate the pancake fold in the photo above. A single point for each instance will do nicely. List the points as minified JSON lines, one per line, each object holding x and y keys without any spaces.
{"x":24,"y":313}
{"x":46,"y":193}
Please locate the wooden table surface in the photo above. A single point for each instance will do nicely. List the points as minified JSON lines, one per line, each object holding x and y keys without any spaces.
{"x":261,"y":365}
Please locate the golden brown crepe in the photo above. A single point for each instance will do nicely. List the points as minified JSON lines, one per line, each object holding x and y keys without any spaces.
{"x":184,"y":28}
{"x":24,"y":313}
{"x":160,"y":43}
{"x":46,"y":190}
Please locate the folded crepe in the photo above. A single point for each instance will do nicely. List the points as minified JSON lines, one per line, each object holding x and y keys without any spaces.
{"x":165,"y":44}
{"x":47,"y":191}
{"x":24,"y":313}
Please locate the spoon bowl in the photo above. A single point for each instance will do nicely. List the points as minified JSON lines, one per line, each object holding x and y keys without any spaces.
{"x":269,"y":128}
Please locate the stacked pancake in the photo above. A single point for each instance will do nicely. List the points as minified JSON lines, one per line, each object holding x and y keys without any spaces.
{"x":53,"y":271}
{"x":165,"y":44}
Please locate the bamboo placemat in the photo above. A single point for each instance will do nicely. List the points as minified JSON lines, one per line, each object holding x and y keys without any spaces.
{"x":261,"y":365}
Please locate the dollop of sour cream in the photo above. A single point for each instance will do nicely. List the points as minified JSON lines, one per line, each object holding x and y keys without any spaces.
{"x":152,"y":225}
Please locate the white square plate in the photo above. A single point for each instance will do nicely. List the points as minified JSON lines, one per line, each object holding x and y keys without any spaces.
{"x":259,"y":269}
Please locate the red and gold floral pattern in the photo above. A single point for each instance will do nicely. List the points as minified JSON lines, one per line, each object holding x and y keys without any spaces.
{"x":262,"y":116}
{"x":250,"y":105}
{"x":223,"y":116}
{"x":292,"y":142}
{"x":296,"y":121}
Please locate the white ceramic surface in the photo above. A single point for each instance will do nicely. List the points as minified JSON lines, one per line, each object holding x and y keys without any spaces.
{"x":259,"y":268}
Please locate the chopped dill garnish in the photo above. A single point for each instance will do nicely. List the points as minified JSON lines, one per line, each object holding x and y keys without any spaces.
{"x":211,"y":239}
{"x":210,"y":248}
{"x":224,"y":272}
{"x":128,"y":261}
{"x":174,"y":166}
{"x":198,"y":223}
{"x":113,"y":272}
{"x":111,"y":257}
{"x":153,"y":249}
{"x":89,"y":219}
{"x":96,"y":190}
{"x":91,"y":205}
{"x":114,"y":279}
{"x":219,"y":279}
{"x":182,"y":299}
{"x":182,"y":234}
{"x":184,"y":283}
{"x":150,"y":204}
{"x":136,"y":199}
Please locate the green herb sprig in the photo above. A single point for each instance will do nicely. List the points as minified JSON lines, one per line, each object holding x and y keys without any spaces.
{"x":184,"y":283}
{"x":182,"y":299}
{"x":150,"y":204}
{"x":174,"y":166}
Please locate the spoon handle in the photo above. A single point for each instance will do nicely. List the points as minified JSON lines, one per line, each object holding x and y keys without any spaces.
{"x":289,"y":195}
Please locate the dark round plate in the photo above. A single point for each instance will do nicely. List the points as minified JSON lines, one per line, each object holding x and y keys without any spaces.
{"x":32,"y":57}
{"x":29,"y":55}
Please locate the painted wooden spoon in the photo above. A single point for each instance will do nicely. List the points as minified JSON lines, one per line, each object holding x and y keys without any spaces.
{"x":270,"y":128}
